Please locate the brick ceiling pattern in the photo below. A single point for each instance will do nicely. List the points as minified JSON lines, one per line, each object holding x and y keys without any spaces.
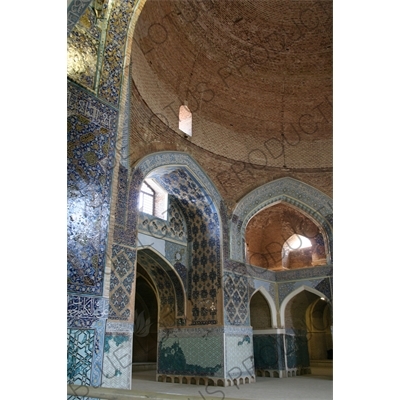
{"x":251,"y":71}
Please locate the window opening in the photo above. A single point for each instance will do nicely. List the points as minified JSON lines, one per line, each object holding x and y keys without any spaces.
{"x":153,"y":199}
{"x":296,"y":242}
{"x":146,"y":199}
{"x":185,"y":120}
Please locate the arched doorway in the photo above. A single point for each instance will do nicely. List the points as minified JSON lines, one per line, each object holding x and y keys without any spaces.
{"x":320,"y":343}
{"x":144,"y":352}
{"x":260,"y":312}
{"x":308,"y":338}
{"x":267,"y":342}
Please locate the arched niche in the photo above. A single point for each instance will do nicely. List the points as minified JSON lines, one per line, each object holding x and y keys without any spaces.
{"x":302,"y":340}
{"x":313,"y":294}
{"x":305,"y":198}
{"x":277,"y":236}
{"x":145,"y":320}
{"x":319,"y":324}
{"x":201,"y":205}
{"x":167,"y":283}
{"x":263,"y":313}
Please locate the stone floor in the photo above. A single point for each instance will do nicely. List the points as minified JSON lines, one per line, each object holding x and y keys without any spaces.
{"x":144,"y":386}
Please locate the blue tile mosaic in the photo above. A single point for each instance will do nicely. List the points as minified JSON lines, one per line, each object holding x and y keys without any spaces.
{"x":201,"y":356}
{"x":203,"y":227}
{"x":236,"y":299}
{"x":304,"y":273}
{"x":88,"y":312}
{"x":114,"y":56}
{"x":83,"y":50}
{"x":269,"y":352}
{"x":74,"y":12}
{"x":80,"y":355}
{"x":297,"y":351}
{"x":121,"y":282}
{"x":83,"y":311}
{"x":91,"y":136}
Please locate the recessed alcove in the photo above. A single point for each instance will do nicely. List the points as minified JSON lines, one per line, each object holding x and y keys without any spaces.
{"x":281,"y":237}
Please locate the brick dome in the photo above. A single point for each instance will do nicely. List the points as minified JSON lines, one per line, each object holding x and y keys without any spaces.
{"x":250,"y":72}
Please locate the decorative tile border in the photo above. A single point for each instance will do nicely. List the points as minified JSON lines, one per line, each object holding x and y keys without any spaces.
{"x":115,"y":43}
{"x":122,"y":282}
{"x":119,"y":327}
{"x":304,"y":273}
{"x":83,"y":311}
{"x":75,"y":11}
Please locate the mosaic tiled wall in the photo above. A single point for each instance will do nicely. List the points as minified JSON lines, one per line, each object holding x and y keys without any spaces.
{"x":91,"y":137}
{"x":86,"y":316}
{"x":117,"y":364}
{"x":249,"y":270}
{"x":178,"y":255}
{"x":236,"y":299}
{"x":196,"y":351}
{"x":80,"y":354}
{"x":276,"y":276}
{"x":297,"y":350}
{"x":117,"y":369}
{"x":115,"y":42}
{"x":122,"y":283}
{"x":269,"y":352}
{"x":204,"y":279}
{"x":239,"y":353}
{"x":75,"y":11}
{"x":84,"y":42}
{"x":159,"y":228}
{"x":83,"y":48}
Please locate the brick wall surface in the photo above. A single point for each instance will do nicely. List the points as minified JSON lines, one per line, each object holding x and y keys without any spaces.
{"x":250,"y":72}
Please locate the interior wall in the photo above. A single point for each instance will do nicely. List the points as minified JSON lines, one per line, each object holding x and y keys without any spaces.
{"x":101,"y":279}
{"x":233,"y":179}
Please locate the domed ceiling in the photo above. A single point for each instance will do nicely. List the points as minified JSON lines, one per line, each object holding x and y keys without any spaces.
{"x":257,"y":76}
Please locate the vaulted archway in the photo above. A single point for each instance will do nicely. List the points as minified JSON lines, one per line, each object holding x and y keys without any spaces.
{"x":306,"y":199}
{"x":273,"y":239}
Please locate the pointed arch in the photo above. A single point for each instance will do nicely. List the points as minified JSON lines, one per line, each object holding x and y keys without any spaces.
{"x":158,"y":164}
{"x":177,"y":283}
{"x":313,"y":203}
{"x":202,"y":206}
{"x":291,"y":295}
{"x":271,"y":303}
